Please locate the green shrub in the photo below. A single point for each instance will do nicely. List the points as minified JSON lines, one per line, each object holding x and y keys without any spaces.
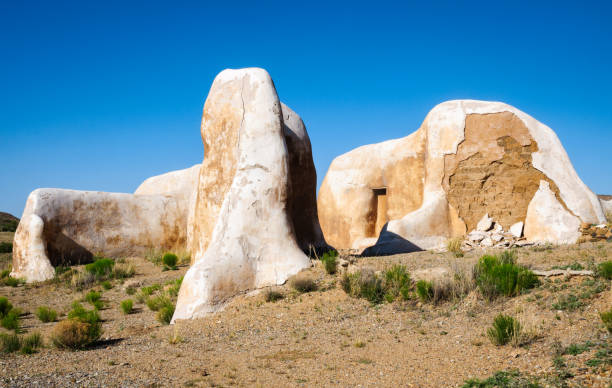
{"x":149,"y":290}
{"x":130,"y":290}
{"x":10,"y":343}
{"x":30,"y":343}
{"x":397,"y":283}
{"x":273,"y":296}
{"x":606,"y":317}
{"x":169,"y":261}
{"x":5,"y":306}
{"x":11,"y":320}
{"x":8,"y":225}
{"x":330,"y":262}
{"x":13,"y":282}
{"x":175,"y":286}
{"x":164,"y":315}
{"x":9,"y":316}
{"x":93,"y":297}
{"x":6,"y":247}
{"x":5,"y":274}
{"x":106,"y":285}
{"x":101,"y":267}
{"x":303,"y":284}
{"x":509,"y":379}
{"x":504,"y":329}
{"x":424,"y":290}
{"x":158,"y":302}
{"x":568,"y":302}
{"x":576,"y":349}
{"x":372,"y":289}
{"x":364,"y":284}
{"x":127,"y":306}
{"x":605,"y":269}
{"x":501,"y":276}
{"x":79,"y":313}
{"x":45,"y":314}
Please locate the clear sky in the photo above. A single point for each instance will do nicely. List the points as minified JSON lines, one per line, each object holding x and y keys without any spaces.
{"x":101,"y":95}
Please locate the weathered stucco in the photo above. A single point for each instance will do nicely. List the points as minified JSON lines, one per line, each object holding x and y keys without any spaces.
{"x":264,"y":216}
{"x":469,"y":158}
{"x":548,"y":221}
{"x":492,"y":171}
{"x":347,"y":198}
{"x":302,"y":198}
{"x":61,"y":227}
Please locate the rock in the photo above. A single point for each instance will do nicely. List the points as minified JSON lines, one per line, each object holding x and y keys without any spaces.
{"x":476,"y":235}
{"x":498,"y":228}
{"x":63,"y":227}
{"x":548,"y":220}
{"x":343,"y":263}
{"x":419,"y":191}
{"x":485,"y":223}
{"x":517,"y":229}
{"x":244,"y":212}
{"x":487,"y":242}
{"x":496,"y":237}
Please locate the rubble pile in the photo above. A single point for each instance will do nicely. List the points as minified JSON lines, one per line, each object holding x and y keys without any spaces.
{"x":592,"y":233}
{"x":490,"y":234}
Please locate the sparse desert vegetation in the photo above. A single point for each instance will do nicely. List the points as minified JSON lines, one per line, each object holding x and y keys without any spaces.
{"x":46,"y":314}
{"x":378,"y":315}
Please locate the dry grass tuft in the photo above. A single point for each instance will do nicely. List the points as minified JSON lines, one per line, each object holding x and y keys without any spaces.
{"x":303,"y":284}
{"x":273,"y":295}
{"x":72,"y":334}
{"x":454,"y":246}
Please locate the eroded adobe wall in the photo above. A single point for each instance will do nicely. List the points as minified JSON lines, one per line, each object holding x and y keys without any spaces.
{"x":492,"y":171}
{"x":220,"y":118}
{"x":347,"y":203}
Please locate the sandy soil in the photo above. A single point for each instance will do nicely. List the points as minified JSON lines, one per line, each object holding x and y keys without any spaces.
{"x":324,"y":338}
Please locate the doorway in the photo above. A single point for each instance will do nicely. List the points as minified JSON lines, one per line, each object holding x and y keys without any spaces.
{"x":380,"y":208}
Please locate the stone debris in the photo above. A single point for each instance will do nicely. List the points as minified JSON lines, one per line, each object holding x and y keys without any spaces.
{"x":591,"y":232}
{"x":495,"y":236}
{"x":517,"y":229}
{"x":485,"y":223}
{"x":476,"y":236}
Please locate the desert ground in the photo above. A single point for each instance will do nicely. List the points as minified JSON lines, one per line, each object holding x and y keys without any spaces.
{"x":326,"y":337}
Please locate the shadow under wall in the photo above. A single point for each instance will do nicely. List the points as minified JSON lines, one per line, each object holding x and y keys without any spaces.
{"x":62,"y":250}
{"x":389,"y":243}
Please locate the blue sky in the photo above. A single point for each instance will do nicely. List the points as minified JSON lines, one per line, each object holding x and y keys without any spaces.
{"x":101,"y":95}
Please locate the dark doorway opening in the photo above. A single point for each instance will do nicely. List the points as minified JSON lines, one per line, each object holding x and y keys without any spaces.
{"x":380,"y":211}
